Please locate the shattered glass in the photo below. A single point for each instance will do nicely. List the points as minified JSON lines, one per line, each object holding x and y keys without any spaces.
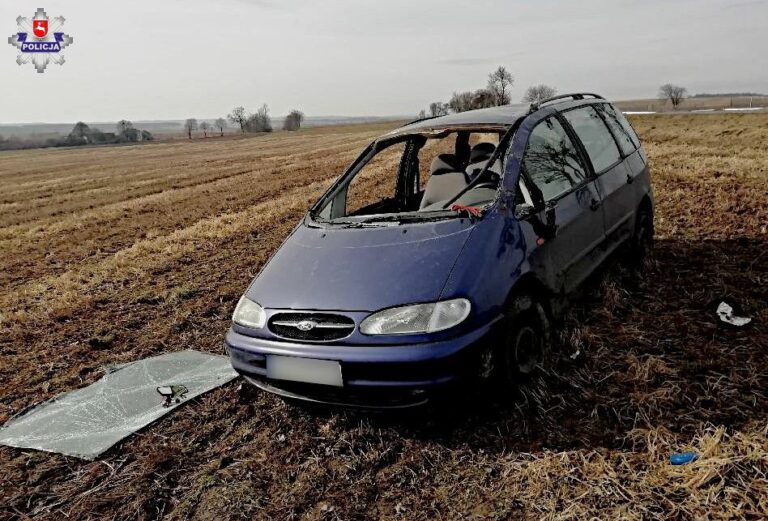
{"x":86,"y":422}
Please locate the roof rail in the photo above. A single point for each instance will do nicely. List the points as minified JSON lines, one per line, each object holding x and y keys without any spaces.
{"x":417,"y":120}
{"x":575,"y":96}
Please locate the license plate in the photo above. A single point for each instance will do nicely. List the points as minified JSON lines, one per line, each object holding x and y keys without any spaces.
{"x":307,"y":370}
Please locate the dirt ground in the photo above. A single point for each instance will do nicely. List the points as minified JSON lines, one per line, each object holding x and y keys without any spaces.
{"x":108,"y":255}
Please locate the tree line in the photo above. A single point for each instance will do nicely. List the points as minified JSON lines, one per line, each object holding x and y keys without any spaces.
{"x":125,"y":132}
{"x":80,"y":135}
{"x":497,"y":92}
{"x":248,"y":122}
{"x":191,"y":125}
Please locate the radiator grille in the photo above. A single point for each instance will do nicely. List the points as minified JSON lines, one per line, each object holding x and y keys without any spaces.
{"x":316,"y":327}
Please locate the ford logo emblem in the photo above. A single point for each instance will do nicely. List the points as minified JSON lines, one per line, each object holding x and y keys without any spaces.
{"x":306,"y":325}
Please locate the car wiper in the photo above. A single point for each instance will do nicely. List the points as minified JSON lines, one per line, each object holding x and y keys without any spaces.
{"x":355,"y":224}
{"x":411,"y":218}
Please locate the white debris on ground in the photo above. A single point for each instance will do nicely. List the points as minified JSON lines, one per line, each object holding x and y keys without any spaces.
{"x":725,"y":312}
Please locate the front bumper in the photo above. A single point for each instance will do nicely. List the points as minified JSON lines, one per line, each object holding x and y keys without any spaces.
{"x":373,"y":375}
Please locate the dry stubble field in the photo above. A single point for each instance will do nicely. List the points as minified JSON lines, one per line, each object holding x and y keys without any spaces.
{"x":113,"y":254}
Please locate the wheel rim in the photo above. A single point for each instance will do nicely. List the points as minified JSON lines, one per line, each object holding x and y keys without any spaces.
{"x":527,"y":349}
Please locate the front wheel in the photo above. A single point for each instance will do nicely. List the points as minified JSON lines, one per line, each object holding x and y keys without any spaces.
{"x":525,"y":339}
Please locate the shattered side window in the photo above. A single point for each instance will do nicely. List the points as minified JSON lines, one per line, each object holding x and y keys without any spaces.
{"x":376,"y":183}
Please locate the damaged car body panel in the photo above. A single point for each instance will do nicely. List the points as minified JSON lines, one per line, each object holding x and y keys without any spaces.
{"x":448,"y":240}
{"x":309,"y":273}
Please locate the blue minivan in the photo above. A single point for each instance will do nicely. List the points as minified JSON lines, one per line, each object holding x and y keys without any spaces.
{"x":444,"y":252}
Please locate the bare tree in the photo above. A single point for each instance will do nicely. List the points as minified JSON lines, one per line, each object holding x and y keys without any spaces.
{"x":673,"y":93}
{"x":469,"y":100}
{"x":220,"y":124}
{"x":80,"y":135}
{"x":189,"y":126}
{"x":123,"y":126}
{"x":264,"y":119}
{"x":538,"y":93}
{"x":126,"y":132}
{"x":500,"y":84}
{"x":205,"y":127}
{"x":80,"y":132}
{"x":483,"y":98}
{"x":293,"y":120}
{"x":259,"y":122}
{"x":461,"y":101}
{"x":422,"y":114}
{"x":239,"y":116}
{"x":438,"y":108}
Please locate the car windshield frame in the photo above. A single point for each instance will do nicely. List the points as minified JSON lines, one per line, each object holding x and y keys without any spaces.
{"x":313,"y":217}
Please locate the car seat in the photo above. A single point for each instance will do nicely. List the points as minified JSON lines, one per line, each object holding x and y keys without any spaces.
{"x":445,"y":181}
{"x":478,"y":158}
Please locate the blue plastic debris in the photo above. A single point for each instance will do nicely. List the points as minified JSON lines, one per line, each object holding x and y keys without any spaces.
{"x":683,"y":458}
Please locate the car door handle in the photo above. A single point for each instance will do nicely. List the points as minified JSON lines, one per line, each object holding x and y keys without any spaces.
{"x":630,"y":179}
{"x":594,"y":205}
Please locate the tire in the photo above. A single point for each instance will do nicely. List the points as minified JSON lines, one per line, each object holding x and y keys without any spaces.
{"x":641,"y":244}
{"x":524,"y":341}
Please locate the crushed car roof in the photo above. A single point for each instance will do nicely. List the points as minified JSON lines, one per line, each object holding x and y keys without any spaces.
{"x":495,"y":116}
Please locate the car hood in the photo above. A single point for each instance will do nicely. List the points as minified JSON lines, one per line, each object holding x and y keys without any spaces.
{"x":360,"y":269}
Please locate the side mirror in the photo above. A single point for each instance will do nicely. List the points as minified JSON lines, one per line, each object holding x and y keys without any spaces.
{"x":524,"y":211}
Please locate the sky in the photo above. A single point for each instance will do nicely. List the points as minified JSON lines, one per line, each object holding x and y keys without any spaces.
{"x":174,"y":59}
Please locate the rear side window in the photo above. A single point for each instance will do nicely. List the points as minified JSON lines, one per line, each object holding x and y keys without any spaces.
{"x":620,"y":127}
{"x":593,"y":133}
{"x":552,"y":161}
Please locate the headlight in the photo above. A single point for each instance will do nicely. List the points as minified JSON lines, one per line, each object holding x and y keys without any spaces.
{"x":417,"y":318}
{"x":249,"y":314}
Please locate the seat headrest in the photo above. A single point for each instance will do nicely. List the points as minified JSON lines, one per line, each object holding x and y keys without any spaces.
{"x":481,"y":152}
{"x":443,"y":164}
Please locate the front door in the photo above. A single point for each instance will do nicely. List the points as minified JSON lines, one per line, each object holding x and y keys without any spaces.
{"x":570,"y":205}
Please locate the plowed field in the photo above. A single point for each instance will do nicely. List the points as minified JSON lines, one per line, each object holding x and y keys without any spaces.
{"x":108,"y":255}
